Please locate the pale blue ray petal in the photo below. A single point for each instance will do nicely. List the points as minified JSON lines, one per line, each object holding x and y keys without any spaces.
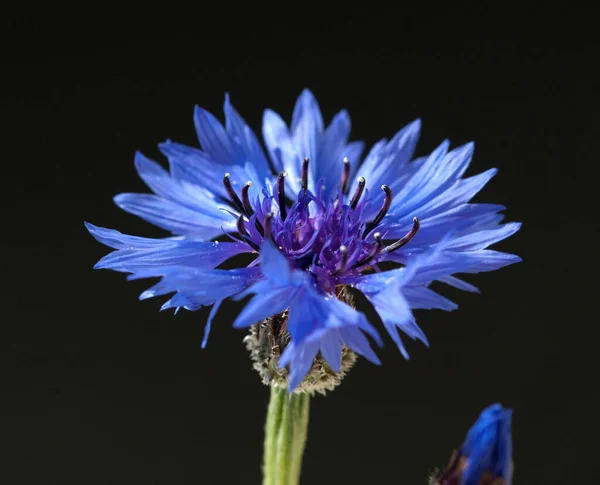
{"x":354,"y":339}
{"x":197,"y":288}
{"x":265,"y":305}
{"x":213,"y":138}
{"x":211,"y":316}
{"x":193,"y":254}
{"x":435,"y":177}
{"x":458,"y":283}
{"x":423,"y":298}
{"x":461,"y":192}
{"x":184,"y":192}
{"x":465,"y":217}
{"x":300,"y":359}
{"x":329,"y":161}
{"x":331,"y":348}
{"x":241,"y":133}
{"x":274,"y":264}
{"x":307,"y":107}
{"x":386,"y":161}
{"x":174,"y":217}
{"x":483,"y":239}
{"x":193,"y":166}
{"x":283,"y":152}
{"x":117,"y":240}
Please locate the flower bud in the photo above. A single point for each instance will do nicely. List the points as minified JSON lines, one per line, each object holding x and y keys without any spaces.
{"x":485,"y":457}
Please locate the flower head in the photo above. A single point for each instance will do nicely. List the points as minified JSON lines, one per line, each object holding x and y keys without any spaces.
{"x":485,"y":457}
{"x":317,"y":221}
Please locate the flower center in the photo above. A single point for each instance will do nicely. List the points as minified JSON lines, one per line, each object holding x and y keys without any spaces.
{"x":327,"y":238}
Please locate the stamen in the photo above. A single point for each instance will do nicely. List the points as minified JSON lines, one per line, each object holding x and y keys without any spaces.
{"x":375,"y":251}
{"x":245,"y":236}
{"x":281,"y":195}
{"x":232,"y":195}
{"x":404,"y":240}
{"x":305,"y":173}
{"x":259,"y":227}
{"x":382,"y":212}
{"x":246,"y":199}
{"x":268,"y":222}
{"x":343,"y":260}
{"x":357,"y":195}
{"x":345,"y":175}
{"x":241,"y":228}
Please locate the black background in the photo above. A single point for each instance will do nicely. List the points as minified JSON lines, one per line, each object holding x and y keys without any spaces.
{"x":99,"y":388}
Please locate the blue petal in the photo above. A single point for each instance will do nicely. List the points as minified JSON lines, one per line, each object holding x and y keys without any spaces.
{"x":488,"y":445}
{"x":300,"y":356}
{"x":307,"y":109}
{"x":312,"y":314}
{"x":331,"y":150}
{"x":307,"y":137}
{"x":233,"y":150}
{"x":175,"y":218}
{"x":461,"y":192}
{"x":197,"y":288}
{"x":211,"y":316}
{"x":280,"y":289}
{"x":458,"y":283}
{"x":356,"y":340}
{"x":269,"y":300}
{"x":394,"y":311}
{"x":300,"y":359}
{"x":117,"y":240}
{"x":190,"y":195}
{"x":213,"y":138}
{"x":463,"y":219}
{"x":193,"y":167}
{"x":464,"y":262}
{"x":440,"y":172}
{"x":274,"y":264}
{"x":483,"y":239}
{"x":241,"y":133}
{"x":503,"y":456}
{"x":281,"y":148}
{"x":387,"y":161}
{"x":387,"y":292}
{"x":331,"y":348}
{"x":193,"y":254}
{"x":421,"y":297}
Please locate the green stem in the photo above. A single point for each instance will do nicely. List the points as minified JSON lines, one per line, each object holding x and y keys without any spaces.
{"x":285,"y":437}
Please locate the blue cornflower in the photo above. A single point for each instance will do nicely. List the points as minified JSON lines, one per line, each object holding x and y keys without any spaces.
{"x":317,"y":220}
{"x":485,"y":457}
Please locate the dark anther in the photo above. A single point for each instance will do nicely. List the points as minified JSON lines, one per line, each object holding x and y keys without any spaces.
{"x":241,"y":228}
{"x":268,"y":222}
{"x":375,"y":251}
{"x":245,"y":236}
{"x":246,"y":199}
{"x":305,"y":173}
{"x":357,"y":195}
{"x":404,"y":240}
{"x":232,"y":195}
{"x":259,"y":227}
{"x":382,"y":212}
{"x":343,"y":260}
{"x":281,"y":194}
{"x":345,"y":175}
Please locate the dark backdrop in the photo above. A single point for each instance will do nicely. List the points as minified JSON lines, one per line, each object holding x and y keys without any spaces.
{"x":100,"y":388}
